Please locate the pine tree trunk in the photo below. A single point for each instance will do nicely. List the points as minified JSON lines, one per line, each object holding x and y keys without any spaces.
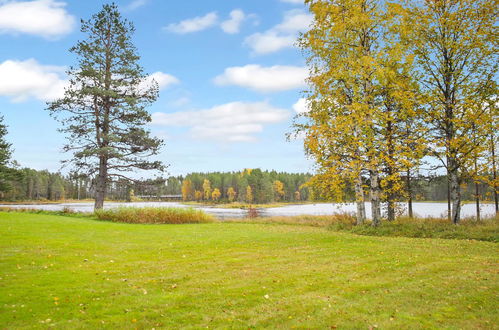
{"x":375,"y":198}
{"x":101,"y":184}
{"x":359,"y":199}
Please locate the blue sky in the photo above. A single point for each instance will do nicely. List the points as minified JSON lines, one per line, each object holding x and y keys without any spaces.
{"x":230,"y":78}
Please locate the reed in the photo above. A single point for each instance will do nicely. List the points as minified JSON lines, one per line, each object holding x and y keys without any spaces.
{"x":154,"y":215}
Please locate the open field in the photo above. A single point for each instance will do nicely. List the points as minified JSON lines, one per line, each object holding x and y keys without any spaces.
{"x":73,"y":272}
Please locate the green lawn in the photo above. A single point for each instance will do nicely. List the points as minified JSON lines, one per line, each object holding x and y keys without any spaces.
{"x":72,"y":272}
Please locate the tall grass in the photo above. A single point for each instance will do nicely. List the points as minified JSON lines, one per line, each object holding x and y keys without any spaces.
{"x":154,"y":215}
{"x":468,"y":228}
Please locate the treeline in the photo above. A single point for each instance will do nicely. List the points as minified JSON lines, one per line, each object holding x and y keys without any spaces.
{"x":25,"y":184}
{"x":250,"y":186}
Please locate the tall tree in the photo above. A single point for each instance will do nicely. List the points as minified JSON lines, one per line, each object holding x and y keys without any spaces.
{"x":455,"y":47}
{"x":103,"y":111}
{"x":7,"y":173}
{"x":207,"y":189}
{"x":351,"y":112}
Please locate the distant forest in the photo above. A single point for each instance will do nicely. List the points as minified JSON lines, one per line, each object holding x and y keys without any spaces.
{"x":264,"y":187}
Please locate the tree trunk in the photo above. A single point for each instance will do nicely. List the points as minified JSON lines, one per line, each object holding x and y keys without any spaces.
{"x":375,"y":199}
{"x":448,"y":198}
{"x":477,"y":198}
{"x":391,"y":208}
{"x":359,"y":199}
{"x":101,"y":184}
{"x":390,"y":171}
{"x":409,"y":193}
{"x":455,"y":192}
{"x":494,"y":172}
{"x":477,"y":193}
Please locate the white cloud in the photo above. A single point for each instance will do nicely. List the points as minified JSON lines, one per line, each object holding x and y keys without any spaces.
{"x":21,"y":80}
{"x":136,"y":4}
{"x":231,"y":122}
{"x":164,"y":80}
{"x":46,"y":18}
{"x":264,"y":79}
{"x":233,"y":24}
{"x":194,"y":24}
{"x":301,"y":106}
{"x":281,"y":36}
{"x":269,"y":42}
{"x":294,"y":21}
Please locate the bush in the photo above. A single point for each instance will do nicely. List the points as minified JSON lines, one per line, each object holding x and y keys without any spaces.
{"x":154,"y":215}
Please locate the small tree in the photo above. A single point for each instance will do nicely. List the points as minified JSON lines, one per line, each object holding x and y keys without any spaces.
{"x":231,"y":194}
{"x":207,"y":189}
{"x":103,"y":110}
{"x":187,"y":190}
{"x":278,"y":187}
{"x":215,"y":195}
{"x":249,"y":194}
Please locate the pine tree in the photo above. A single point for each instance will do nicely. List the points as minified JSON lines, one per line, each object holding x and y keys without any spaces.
{"x":103,"y":111}
{"x":9,"y":174}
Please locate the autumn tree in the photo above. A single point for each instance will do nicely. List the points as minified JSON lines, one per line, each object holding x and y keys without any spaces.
{"x":207,"y":189}
{"x":249,"y":194}
{"x":455,"y":47}
{"x":278,"y":187}
{"x":103,"y":110}
{"x":215,"y":195}
{"x":198,"y":195}
{"x":187,"y":190}
{"x":231,"y":194}
{"x":342,"y":50}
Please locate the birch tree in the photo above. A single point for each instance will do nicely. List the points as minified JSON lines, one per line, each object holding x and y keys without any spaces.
{"x":455,"y":47}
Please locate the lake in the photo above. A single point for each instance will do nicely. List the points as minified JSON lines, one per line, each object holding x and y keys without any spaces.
{"x":420,"y":209}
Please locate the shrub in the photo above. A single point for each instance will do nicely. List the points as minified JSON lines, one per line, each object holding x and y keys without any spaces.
{"x":154,"y":215}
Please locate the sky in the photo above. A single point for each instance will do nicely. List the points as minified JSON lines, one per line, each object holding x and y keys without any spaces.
{"x":230,"y":77}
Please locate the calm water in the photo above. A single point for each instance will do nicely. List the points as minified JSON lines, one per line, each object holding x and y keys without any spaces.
{"x":420,"y":209}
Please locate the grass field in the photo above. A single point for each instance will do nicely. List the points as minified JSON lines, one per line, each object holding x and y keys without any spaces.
{"x":70,"y":272}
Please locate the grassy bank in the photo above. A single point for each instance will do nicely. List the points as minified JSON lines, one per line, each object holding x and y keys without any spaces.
{"x":485,"y":230}
{"x":71,"y":272}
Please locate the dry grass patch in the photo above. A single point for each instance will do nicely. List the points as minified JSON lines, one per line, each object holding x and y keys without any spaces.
{"x":154,"y":215}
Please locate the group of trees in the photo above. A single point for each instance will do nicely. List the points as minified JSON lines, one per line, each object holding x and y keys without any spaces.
{"x":250,"y":186}
{"x":397,"y":85}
